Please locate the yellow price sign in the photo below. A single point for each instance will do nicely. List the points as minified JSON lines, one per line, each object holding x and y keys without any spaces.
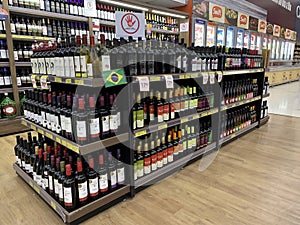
{"x":48,"y":135}
{"x":36,"y":189}
{"x":58,"y":140}
{"x":181,"y":77}
{"x":164,"y":126}
{"x":78,"y":81}
{"x":155,"y":78}
{"x":72,"y":147}
{"x":68,"y":81}
{"x":204,"y":114}
{"x":24,"y":123}
{"x":194,"y":75}
{"x":224,"y":108}
{"x":32,"y":127}
{"x":64,"y":143}
{"x":53,"y":205}
{"x":233,"y":135}
{"x":195,"y":117}
{"x":30,"y":183}
{"x":187,"y":76}
{"x":40,"y":131}
{"x":57,"y":80}
{"x":140,"y":133}
{"x":184,"y":120}
{"x":233,"y":105}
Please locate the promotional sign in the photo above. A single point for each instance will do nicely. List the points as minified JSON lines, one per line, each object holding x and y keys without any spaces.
{"x":201,"y":9}
{"x":184,"y":27}
{"x":253,"y":23}
{"x":246,"y":40}
{"x":216,"y":13}
{"x":270,"y":29}
{"x":230,"y":37}
{"x":288,"y":34}
{"x":243,"y":21}
{"x":211,"y":34}
{"x":199,"y":32}
{"x":3,"y":14}
{"x":239,"y":38}
{"x":276,"y":30}
{"x":262,"y":26}
{"x":130,"y":24}
{"x":231,"y":17}
{"x":90,"y":8}
{"x":221,"y":36}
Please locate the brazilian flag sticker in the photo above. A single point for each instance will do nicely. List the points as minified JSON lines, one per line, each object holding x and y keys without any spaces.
{"x":114,"y":77}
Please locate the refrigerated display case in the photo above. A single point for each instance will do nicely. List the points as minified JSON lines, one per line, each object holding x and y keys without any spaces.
{"x":265,"y":41}
{"x":240,"y":38}
{"x":199,"y":32}
{"x":221,"y":32}
{"x":258,"y":42}
{"x":273,"y":50}
{"x":270,"y":42}
{"x":211,"y":34}
{"x":253,"y":41}
{"x":246,"y":39}
{"x":230,"y":37}
{"x":282,"y":55}
{"x":278,"y":45}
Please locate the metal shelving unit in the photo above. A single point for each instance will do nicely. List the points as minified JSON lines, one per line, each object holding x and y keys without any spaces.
{"x":80,"y":149}
{"x":244,"y":102}
{"x":70,"y":217}
{"x":264,"y":121}
{"x":17,"y":64}
{"x":236,"y":72}
{"x":10,"y":90}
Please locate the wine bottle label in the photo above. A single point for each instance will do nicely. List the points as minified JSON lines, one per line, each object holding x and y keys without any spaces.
{"x":154,"y":162}
{"x":48,"y":118}
{"x":13,"y":28}
{"x":83,"y":65}
{"x":1,"y":81}
{"x":71,"y":67}
{"x":134,"y":118}
{"x":34,"y":176}
{"x":50,"y":180}
{"x":105,"y":62}
{"x":67,"y":196}
{"x":121,"y":175}
{"x":152,"y":112}
{"x":56,"y":187}
{"x":93,"y":187}
{"x":62,"y":122}
{"x":45,"y":184}
{"x":27,"y":167}
{"x":75,"y":10}
{"x":3,"y":54}
{"x":140,"y":118}
{"x":60,"y":192}
{"x":165,"y":156}
{"x":38,"y":180}
{"x":105,"y":124}
{"x":19,"y":82}
{"x":179,"y":62}
{"x":113,"y":178}
{"x":66,"y":66}
{"x":71,"y":9}
{"x":147,"y":165}
{"x":81,"y":130}
{"x":77,"y":64}
{"x":160,"y":112}
{"x":103,"y":182}
{"x":94,"y":128}
{"x":194,"y":142}
{"x":113,"y":122}
{"x":68,"y":124}
{"x":33,"y":65}
{"x":170,"y":155}
{"x":160,"y":159}
{"x":90,"y":72}
{"x":101,"y":14}
{"x":190,"y":143}
{"x":53,"y":124}
{"x":83,"y":191}
{"x":135,"y":171}
{"x":140,"y":171}
{"x":52,"y":66}
{"x":166,"y":112}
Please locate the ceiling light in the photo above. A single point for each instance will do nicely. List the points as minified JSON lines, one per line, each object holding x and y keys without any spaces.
{"x":125,"y":5}
{"x":168,"y":14}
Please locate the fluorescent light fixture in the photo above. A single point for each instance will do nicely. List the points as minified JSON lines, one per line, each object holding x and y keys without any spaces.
{"x":168,"y":14}
{"x":125,"y":5}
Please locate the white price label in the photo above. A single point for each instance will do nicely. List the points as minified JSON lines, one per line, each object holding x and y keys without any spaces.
{"x":205,"y":78}
{"x":211,"y":78}
{"x":144,"y":83}
{"x":43,"y":82}
{"x":33,"y":81}
{"x":169,"y":81}
{"x":220,"y":77}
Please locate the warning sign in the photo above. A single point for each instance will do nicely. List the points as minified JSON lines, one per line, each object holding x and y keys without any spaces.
{"x":130,"y":24}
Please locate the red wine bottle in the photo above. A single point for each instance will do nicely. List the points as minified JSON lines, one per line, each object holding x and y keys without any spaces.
{"x":82,"y":185}
{"x":69,"y":189}
{"x":51,"y":176}
{"x":120,"y":170}
{"x":55,"y":179}
{"x":112,"y":173}
{"x":45,"y":176}
{"x":94,"y":123}
{"x":92,"y":180}
{"x":39,"y":168}
{"x":81,"y":123}
{"x":61,"y":180}
{"x":103,"y":176}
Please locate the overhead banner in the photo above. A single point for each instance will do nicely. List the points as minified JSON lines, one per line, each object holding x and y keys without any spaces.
{"x":130,"y":25}
{"x":276,"y":31}
{"x":216,"y":13}
{"x":262,"y":26}
{"x":231,"y":17}
{"x":243,"y":21}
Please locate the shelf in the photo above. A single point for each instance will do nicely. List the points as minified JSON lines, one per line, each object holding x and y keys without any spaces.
{"x":175,"y":122}
{"x":2,"y":36}
{"x":266,"y":95}
{"x":233,"y":105}
{"x":264,"y":121}
{"x":18,"y":64}
{"x":236,"y":72}
{"x":10,"y":90}
{"x":237,"y":134}
{"x":83,"y":150}
{"x":11,"y":126}
{"x":89,"y":82}
{"x":284,"y":82}
{"x":107,"y":23}
{"x":69,"y":217}
{"x":30,"y":38}
{"x":43,"y":14}
{"x":172,"y":167}
{"x":163,"y":31}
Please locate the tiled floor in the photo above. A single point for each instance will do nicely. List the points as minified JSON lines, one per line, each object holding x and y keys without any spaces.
{"x":285,"y":99}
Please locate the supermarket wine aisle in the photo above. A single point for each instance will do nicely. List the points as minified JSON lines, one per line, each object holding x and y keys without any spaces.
{"x":285,"y":99}
{"x":254,"y":180}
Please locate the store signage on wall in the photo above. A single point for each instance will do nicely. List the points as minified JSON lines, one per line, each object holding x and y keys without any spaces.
{"x":231,"y":17}
{"x":184,"y":27}
{"x":284,"y":4}
{"x":3,"y":14}
{"x":253,"y":23}
{"x":243,"y":21}
{"x":282,"y":32}
{"x":276,"y":30}
{"x":216,"y":13}
{"x":130,"y":24}
{"x":262,"y":26}
{"x":270,"y":28}
{"x":201,"y":8}
{"x":288,"y":34}
{"x":90,"y":8}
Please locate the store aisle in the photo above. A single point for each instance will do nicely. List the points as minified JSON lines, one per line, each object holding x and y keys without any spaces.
{"x":253,"y":181}
{"x":285,"y":99}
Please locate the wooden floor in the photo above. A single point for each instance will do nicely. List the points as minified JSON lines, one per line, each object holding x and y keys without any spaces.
{"x":254,"y":180}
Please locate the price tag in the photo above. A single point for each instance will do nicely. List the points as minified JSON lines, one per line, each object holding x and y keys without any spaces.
{"x":188,"y":76}
{"x":33,"y":81}
{"x":53,"y":205}
{"x":57,"y":80}
{"x":44,"y":82}
{"x":154,"y":78}
{"x":68,"y":81}
{"x":169,"y":81}
{"x":220,"y":76}
{"x":36,"y":189}
{"x":24,"y":123}
{"x":40,"y":131}
{"x":233,"y":135}
{"x":30,"y":183}
{"x":144,"y":83}
{"x":48,"y":135}
{"x":195,"y":117}
{"x":75,"y":149}
{"x":181,"y":77}
{"x":32,"y":127}
{"x":224,"y":108}
{"x":80,"y":82}
{"x":212,"y":78}
{"x":194,"y":75}
{"x":233,"y":105}
{"x":204,"y":114}
{"x":63,"y":142}
{"x":58,"y":140}
{"x":205,"y":78}
{"x":140,"y":133}
{"x":184,"y":120}
{"x":164,"y":126}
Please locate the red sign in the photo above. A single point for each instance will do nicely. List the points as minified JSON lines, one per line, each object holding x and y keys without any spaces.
{"x":130,"y":23}
{"x":243,"y":20}
{"x":217,"y":12}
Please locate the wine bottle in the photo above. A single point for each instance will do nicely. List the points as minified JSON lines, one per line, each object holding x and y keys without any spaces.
{"x":81,"y":123}
{"x":170,"y":149}
{"x":69,"y":189}
{"x":103,"y":176}
{"x":61,"y":180}
{"x":51,"y":176}
{"x":121,"y":176}
{"x":92,"y":180}
{"x":39,"y":168}
{"x":45,"y":176}
{"x":147,"y":160}
{"x":112,"y":173}
{"x":104,"y":119}
{"x":94,"y":122}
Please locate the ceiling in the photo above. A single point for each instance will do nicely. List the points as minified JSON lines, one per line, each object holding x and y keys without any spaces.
{"x":166,"y":3}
